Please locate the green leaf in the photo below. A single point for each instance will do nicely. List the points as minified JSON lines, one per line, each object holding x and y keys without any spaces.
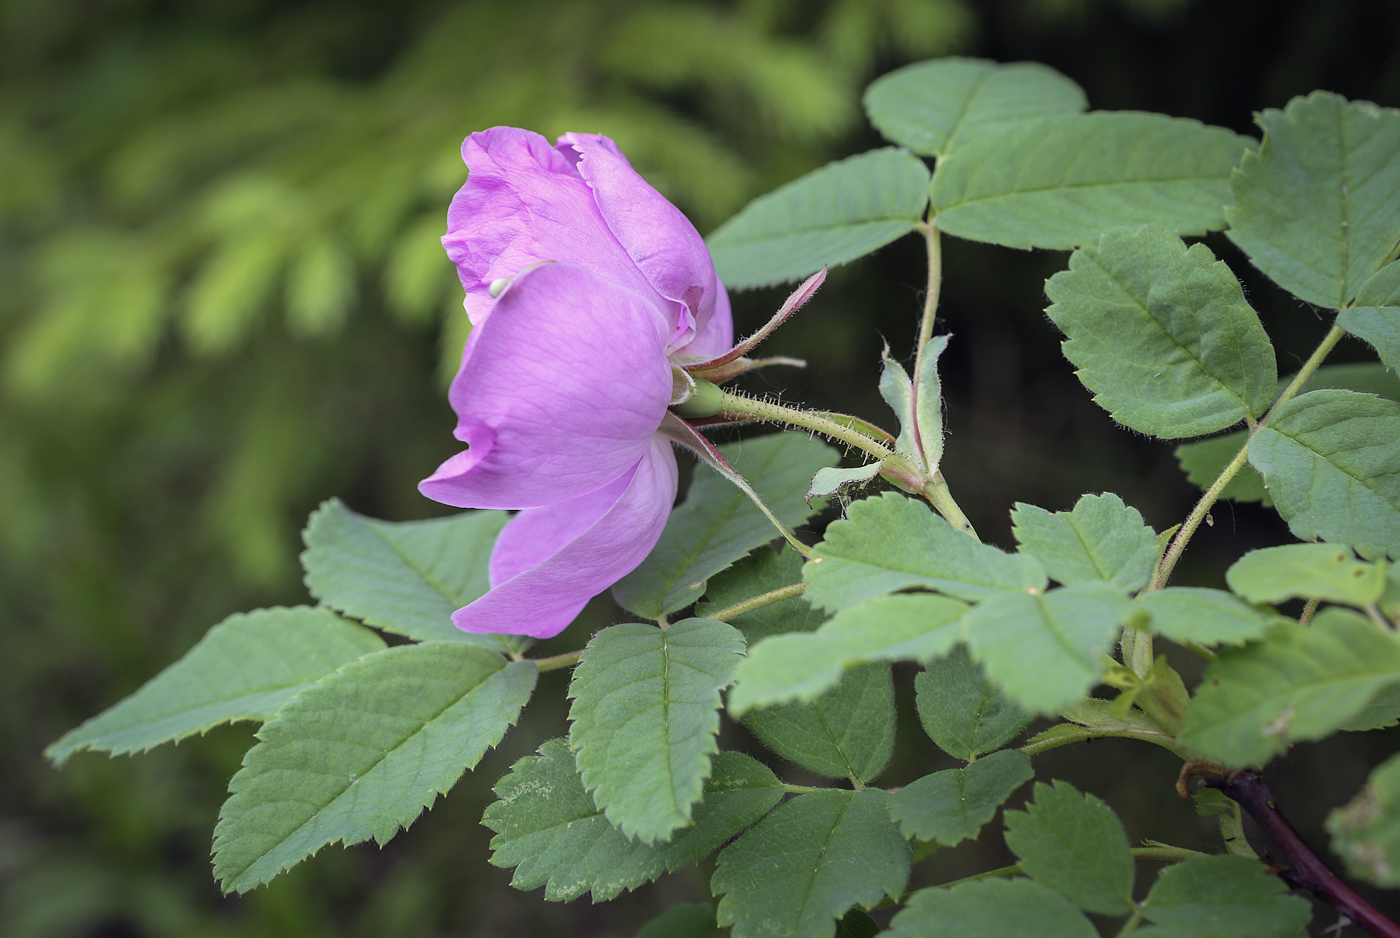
{"x":1225,"y":897}
{"x":362,"y":753}
{"x":1378,"y":325}
{"x":1074,"y":844}
{"x":1204,"y":460}
{"x":1366,"y":831}
{"x":1045,"y":651}
{"x":1162,"y":335}
{"x":890,"y":542}
{"x":689,"y":920}
{"x":830,"y":216}
{"x":1381,"y":711}
{"x":804,"y":665}
{"x":1309,"y":571}
{"x":848,"y":732}
{"x":1299,"y":683}
{"x":928,"y":406}
{"x":962,"y":712}
{"x":1390,"y":598}
{"x":951,"y":806}
{"x":549,"y":829}
{"x":1062,"y":181}
{"x":717,"y":524}
{"x":991,"y":909}
{"x":1317,"y":208}
{"x":645,"y":715}
{"x":933,"y":107}
{"x":406,"y":577}
{"x":1331,"y":460}
{"x":1210,"y":617}
{"x":800,"y":868}
{"x":762,"y":572}
{"x":245,"y":668}
{"x":1101,"y":539}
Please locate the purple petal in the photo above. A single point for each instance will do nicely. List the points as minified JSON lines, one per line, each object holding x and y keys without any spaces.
{"x":524,"y":202}
{"x":716,"y":332}
{"x":556,"y":563}
{"x":560,"y":392}
{"x":661,"y":240}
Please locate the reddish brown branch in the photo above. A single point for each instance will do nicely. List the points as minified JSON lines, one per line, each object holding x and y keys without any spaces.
{"x":1303,"y":869}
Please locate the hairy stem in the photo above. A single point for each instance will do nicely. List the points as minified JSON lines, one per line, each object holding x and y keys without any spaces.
{"x":941,"y":499}
{"x":1074,"y":733}
{"x":935,"y":284}
{"x":758,"y":602}
{"x":735,"y":404}
{"x":566,"y":660}
{"x":1212,"y":494}
{"x":1304,"y":869}
{"x":1193,"y":521}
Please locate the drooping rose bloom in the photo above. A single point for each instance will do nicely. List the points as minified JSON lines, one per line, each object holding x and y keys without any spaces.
{"x":566,"y":376}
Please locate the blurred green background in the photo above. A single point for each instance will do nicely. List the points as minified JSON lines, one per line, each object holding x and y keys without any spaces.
{"x":222,"y":301}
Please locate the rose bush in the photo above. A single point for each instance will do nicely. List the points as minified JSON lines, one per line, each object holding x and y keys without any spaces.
{"x":583,"y":285}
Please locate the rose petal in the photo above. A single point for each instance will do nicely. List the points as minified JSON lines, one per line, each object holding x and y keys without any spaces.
{"x":716,"y":332}
{"x":560,"y":392}
{"x":658,"y":237}
{"x":541,"y":600}
{"x":523,"y":203}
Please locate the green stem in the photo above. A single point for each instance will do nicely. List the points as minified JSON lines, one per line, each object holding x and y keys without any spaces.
{"x":736,"y":404}
{"x":1212,"y":494}
{"x":758,"y":602}
{"x":1077,"y":734}
{"x":566,"y":660}
{"x":804,"y":789}
{"x":1193,"y":521}
{"x":1315,"y":360}
{"x":942,"y":500}
{"x":935,"y":284}
{"x":1133,"y":921}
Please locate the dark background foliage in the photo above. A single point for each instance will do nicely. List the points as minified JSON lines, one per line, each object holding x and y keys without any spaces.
{"x":223,"y":302}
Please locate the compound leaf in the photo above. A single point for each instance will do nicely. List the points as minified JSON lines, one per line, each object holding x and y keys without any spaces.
{"x":951,"y":806}
{"x":963,"y":713}
{"x":1331,"y":460}
{"x":992,"y":909}
{"x":1225,"y":897}
{"x":245,"y":668}
{"x":933,"y":107}
{"x":1317,"y":208}
{"x":1045,"y":651}
{"x":1298,"y":683}
{"x":800,"y":868}
{"x":1074,"y":844}
{"x":1162,"y":335}
{"x":362,"y":753}
{"x":1101,"y":539}
{"x":406,"y":577}
{"x":1062,"y":181}
{"x":718,"y":524}
{"x":549,"y":829}
{"x":1309,"y":571}
{"x":830,"y":216}
{"x":890,"y":542}
{"x":645,"y":715}
{"x":801,"y":666}
{"x":848,"y":732}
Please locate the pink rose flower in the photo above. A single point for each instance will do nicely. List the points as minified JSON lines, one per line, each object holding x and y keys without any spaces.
{"x":582,"y":284}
